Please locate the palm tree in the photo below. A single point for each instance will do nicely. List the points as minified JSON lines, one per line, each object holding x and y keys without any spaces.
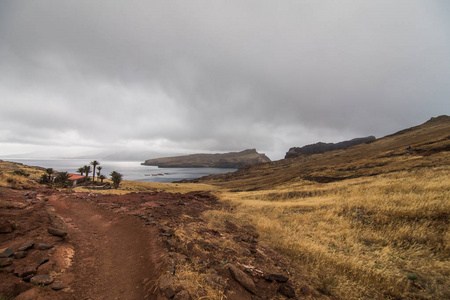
{"x":49,"y":171}
{"x":99,"y":168}
{"x":101,"y":177}
{"x":62,"y":178}
{"x":80,"y":170}
{"x":94,"y":164}
{"x":116,"y":178}
{"x":87,"y":170}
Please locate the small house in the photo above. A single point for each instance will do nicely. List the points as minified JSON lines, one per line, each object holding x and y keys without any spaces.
{"x":76,"y":179}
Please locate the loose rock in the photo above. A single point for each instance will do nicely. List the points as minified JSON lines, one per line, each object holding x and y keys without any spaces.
{"x":170,"y":293}
{"x":165,"y":282}
{"x":41,"y":279}
{"x":183,"y":295}
{"x":20,"y":254}
{"x":242,"y":278}
{"x":42,"y":261}
{"x":276,"y":277}
{"x":57,"y":232}
{"x":286,"y":290}
{"x":25,"y":246}
{"x":6,"y":227}
{"x":6,"y":252}
{"x":43,"y":246}
{"x":56,"y":286}
{"x":24,"y":271}
{"x":5,"y":261}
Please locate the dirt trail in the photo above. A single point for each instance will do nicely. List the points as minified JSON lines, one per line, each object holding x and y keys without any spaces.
{"x":115,"y":255}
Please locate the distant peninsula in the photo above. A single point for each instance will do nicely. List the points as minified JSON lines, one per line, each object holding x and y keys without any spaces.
{"x":219,"y":160}
{"x":325,"y":147}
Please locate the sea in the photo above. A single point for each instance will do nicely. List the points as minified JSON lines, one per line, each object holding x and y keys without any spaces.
{"x":131,"y":170}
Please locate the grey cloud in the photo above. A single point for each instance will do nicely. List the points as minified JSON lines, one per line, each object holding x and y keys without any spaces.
{"x":220,"y":76}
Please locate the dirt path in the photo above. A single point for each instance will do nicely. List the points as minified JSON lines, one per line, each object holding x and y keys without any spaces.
{"x":115,"y":255}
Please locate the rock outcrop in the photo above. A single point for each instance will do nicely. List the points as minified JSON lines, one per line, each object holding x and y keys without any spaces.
{"x":220,"y":160}
{"x":325,"y":147}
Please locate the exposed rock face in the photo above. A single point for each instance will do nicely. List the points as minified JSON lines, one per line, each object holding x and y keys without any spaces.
{"x":325,"y":147}
{"x":225,"y":160}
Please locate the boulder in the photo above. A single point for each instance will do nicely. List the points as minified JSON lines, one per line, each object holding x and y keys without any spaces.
{"x":243,"y":279}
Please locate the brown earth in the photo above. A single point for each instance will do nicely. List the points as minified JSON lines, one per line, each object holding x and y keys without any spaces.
{"x":103,"y":256}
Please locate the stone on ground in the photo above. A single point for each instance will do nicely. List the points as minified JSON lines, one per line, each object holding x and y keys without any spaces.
{"x":243,"y":279}
{"x":41,"y":279}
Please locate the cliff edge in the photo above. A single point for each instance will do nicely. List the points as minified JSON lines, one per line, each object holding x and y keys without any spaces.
{"x":325,"y":147}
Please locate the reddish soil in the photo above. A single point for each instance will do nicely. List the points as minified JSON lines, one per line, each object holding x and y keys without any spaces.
{"x":104,"y":255}
{"x":116,"y":256}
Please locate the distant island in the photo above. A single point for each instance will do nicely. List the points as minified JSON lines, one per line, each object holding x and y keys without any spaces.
{"x":219,"y":160}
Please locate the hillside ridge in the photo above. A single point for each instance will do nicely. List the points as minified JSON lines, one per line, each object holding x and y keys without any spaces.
{"x":321,"y":147}
{"x":402,"y":151}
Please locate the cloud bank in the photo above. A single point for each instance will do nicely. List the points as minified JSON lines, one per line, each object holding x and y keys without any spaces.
{"x":196,"y":76}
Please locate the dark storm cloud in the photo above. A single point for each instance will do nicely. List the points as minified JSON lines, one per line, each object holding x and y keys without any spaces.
{"x":219,"y":76}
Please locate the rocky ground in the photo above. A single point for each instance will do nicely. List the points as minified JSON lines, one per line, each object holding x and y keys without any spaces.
{"x":61,"y":245}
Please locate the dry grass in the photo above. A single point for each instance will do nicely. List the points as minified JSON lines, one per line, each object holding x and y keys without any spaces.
{"x":8,"y":179}
{"x":360,"y":238}
{"x":7,"y":167}
{"x":128,"y":186}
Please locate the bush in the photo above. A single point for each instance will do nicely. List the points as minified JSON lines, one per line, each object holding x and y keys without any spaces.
{"x":116,"y":178}
{"x":20,"y":173}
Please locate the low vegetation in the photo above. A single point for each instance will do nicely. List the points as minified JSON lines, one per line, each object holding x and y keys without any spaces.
{"x":384,"y":236}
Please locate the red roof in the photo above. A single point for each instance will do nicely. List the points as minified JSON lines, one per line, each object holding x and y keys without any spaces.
{"x":75,"y":176}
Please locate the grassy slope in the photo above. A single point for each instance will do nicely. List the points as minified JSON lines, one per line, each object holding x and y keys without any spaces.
{"x":379,"y":230}
{"x":387,"y":154}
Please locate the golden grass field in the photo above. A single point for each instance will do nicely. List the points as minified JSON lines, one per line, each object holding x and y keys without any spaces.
{"x":378,"y":237}
{"x":378,"y":229}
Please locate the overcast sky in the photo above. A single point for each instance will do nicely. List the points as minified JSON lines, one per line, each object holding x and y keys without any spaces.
{"x":178,"y":77}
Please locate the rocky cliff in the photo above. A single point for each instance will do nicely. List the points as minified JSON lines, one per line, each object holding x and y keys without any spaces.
{"x":325,"y":147}
{"x":220,"y":160}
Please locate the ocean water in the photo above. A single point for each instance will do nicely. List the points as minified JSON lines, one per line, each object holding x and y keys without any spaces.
{"x":131,"y":170}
